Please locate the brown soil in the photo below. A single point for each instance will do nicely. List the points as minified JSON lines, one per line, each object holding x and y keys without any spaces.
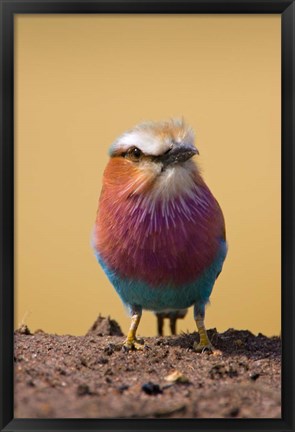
{"x":91,"y":376}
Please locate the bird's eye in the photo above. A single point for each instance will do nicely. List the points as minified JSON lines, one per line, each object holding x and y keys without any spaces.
{"x":134,"y":154}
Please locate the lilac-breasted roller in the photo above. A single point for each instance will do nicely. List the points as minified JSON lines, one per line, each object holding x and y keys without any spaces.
{"x":159,"y":233}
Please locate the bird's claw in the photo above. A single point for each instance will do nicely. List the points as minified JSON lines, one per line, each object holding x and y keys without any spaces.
{"x":201,"y":348}
{"x":136,"y":344}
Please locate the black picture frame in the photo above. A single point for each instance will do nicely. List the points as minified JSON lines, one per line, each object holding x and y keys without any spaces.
{"x":8,"y":8}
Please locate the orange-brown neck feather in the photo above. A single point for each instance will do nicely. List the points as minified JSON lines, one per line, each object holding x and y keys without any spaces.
{"x":124,"y":178}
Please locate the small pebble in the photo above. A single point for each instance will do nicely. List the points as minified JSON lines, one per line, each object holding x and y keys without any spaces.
{"x":83,"y":389}
{"x":110,"y":349}
{"x":30,"y":383}
{"x":234,"y":412}
{"x":177,"y":376}
{"x":151,"y":388}
{"x":123,"y":387}
{"x":254,"y":376}
{"x":102,"y":360}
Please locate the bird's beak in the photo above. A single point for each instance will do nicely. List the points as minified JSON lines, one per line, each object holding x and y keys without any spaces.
{"x":177,"y":154}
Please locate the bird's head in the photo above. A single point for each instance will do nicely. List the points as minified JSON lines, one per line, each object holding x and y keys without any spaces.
{"x":153,"y":156}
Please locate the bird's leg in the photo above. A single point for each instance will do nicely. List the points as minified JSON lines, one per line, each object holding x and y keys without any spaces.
{"x":160,"y":323}
{"x":204,"y":344}
{"x":173,"y":325}
{"x":131,"y":342}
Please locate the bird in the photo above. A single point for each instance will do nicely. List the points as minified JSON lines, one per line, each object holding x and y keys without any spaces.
{"x":159,"y":233}
{"x":173,"y":316}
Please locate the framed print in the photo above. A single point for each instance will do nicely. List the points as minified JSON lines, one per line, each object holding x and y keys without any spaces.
{"x":147,"y":182}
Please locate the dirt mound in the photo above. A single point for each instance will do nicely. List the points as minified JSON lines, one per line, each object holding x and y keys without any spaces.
{"x":91,"y":376}
{"x":105,"y":327}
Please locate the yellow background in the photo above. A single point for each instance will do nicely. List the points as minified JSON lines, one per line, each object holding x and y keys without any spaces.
{"x":83,"y":80}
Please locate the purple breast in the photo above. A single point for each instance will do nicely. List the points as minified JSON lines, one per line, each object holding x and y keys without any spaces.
{"x":161,"y":244}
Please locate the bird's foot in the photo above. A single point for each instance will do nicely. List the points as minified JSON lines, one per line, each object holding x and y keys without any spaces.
{"x":133,"y":344}
{"x":201,"y":347}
